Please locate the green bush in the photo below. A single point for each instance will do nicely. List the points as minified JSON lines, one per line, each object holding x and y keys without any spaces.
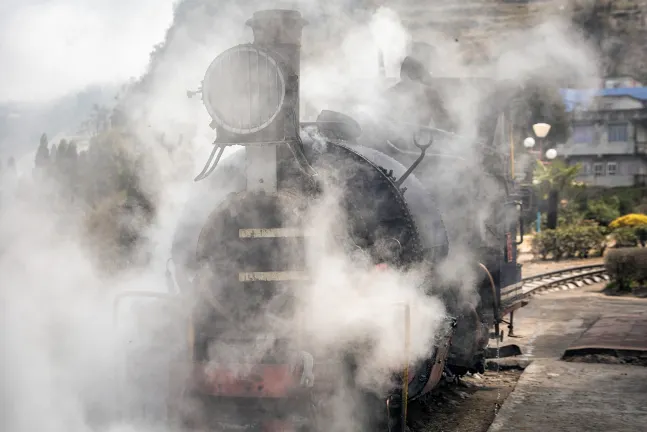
{"x":627,"y":267}
{"x":603,"y":210}
{"x":625,"y":237}
{"x":544,"y":243}
{"x":641,"y":234}
{"x":570,"y":214}
{"x":570,"y":242}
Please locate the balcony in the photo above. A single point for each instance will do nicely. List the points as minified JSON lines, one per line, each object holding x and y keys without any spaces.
{"x":608,"y":181}
{"x":598,"y":148}
{"x":607,"y":116}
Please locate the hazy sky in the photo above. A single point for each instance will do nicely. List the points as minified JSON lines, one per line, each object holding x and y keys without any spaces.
{"x":51,"y":47}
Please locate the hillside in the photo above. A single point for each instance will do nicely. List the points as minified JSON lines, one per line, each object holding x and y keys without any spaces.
{"x":617,"y":27}
{"x":21,"y":124}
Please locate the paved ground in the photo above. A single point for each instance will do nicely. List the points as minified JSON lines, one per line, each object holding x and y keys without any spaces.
{"x":553,"y":321}
{"x":553,"y":395}
{"x":558,"y":396}
{"x":622,"y":333}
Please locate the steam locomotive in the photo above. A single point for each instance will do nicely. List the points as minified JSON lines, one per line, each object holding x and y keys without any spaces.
{"x":241,"y":251}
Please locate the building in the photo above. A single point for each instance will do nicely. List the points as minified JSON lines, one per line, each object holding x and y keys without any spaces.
{"x":620,"y":82}
{"x":608,"y":135}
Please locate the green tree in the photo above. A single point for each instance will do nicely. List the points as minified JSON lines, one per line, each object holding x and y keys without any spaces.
{"x":554,"y":179}
{"x":42,"y":154}
{"x":545,"y":104}
{"x":98,"y":122}
{"x":604,"y":210}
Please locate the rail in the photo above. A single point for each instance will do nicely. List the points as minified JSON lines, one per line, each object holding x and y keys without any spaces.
{"x":558,"y":278}
{"x":517,"y":296}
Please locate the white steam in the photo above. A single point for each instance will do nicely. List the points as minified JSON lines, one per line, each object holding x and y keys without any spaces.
{"x":52,"y":48}
{"x":58,"y":343}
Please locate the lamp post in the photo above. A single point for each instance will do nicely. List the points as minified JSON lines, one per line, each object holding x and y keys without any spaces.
{"x":541,"y":131}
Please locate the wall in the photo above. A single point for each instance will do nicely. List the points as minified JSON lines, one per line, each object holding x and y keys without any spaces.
{"x":641,"y":133}
{"x":626,"y":167}
{"x":600,"y":144}
{"x":616,"y":103}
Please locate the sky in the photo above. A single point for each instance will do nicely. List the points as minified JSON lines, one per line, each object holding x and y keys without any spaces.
{"x":50,"y":48}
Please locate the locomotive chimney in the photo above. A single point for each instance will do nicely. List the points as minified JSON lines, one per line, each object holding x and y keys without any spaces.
{"x":280,"y":31}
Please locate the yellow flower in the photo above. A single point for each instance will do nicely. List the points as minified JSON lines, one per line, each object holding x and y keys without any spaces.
{"x":630,"y":220}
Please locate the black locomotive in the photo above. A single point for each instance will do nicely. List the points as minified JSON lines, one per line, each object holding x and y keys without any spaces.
{"x":241,"y":251}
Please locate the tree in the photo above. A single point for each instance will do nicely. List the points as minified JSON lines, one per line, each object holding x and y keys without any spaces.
{"x":98,"y":122}
{"x":554,"y":179}
{"x":603,"y":210}
{"x":42,"y":154}
{"x":545,"y":104}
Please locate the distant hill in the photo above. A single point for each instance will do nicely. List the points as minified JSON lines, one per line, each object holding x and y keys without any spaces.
{"x":618,"y":28}
{"x":22,"y":124}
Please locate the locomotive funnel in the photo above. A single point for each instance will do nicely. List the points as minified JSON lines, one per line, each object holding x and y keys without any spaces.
{"x":280,"y":31}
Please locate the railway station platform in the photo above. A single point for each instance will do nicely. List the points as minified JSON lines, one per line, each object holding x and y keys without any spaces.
{"x":559,"y":396}
{"x":578,"y":393}
{"x":623,"y":335}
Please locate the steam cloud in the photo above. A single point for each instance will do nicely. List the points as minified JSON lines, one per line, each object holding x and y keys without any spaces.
{"x":59,"y":349}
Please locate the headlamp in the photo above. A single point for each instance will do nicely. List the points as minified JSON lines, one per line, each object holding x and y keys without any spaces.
{"x":244,"y":89}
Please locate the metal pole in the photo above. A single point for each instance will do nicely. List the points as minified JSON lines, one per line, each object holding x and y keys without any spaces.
{"x":541,"y":159}
{"x":511,"y":151}
{"x":405,"y":384}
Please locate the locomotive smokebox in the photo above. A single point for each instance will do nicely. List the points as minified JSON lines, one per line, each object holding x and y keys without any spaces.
{"x":279,"y":30}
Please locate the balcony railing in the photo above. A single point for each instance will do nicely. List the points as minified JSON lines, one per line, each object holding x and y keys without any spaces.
{"x":597,"y":148}
{"x":606,"y":116}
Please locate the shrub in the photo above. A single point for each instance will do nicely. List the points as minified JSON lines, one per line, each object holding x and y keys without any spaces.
{"x":627,"y":267}
{"x":630,"y":220}
{"x":641,"y":234}
{"x":570,"y":214}
{"x":625,"y":237}
{"x":641,"y":207}
{"x":570,"y":241}
{"x":544,"y":243}
{"x":603,"y":210}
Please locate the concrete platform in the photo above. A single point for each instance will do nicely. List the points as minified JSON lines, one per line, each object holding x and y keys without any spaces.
{"x":555,"y":396}
{"x":618,"y":333}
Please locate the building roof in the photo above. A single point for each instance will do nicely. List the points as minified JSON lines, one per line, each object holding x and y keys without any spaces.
{"x":574,"y":97}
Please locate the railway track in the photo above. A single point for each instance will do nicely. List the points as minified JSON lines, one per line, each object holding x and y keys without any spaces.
{"x":518,"y":295}
{"x":564,"y":279}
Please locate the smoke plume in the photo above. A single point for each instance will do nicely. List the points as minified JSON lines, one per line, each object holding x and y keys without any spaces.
{"x":63,"y":365}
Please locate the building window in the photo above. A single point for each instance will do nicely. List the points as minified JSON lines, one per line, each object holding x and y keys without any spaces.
{"x":618,"y":132}
{"x":583,"y":134}
{"x":598,"y":169}
{"x":612,"y":167}
{"x":585,"y":168}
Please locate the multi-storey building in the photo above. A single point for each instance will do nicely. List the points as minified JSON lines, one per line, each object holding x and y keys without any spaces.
{"x":608,"y":135}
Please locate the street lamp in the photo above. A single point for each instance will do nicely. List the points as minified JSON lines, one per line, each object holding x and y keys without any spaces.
{"x":541,"y":130}
{"x":551,"y":154}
